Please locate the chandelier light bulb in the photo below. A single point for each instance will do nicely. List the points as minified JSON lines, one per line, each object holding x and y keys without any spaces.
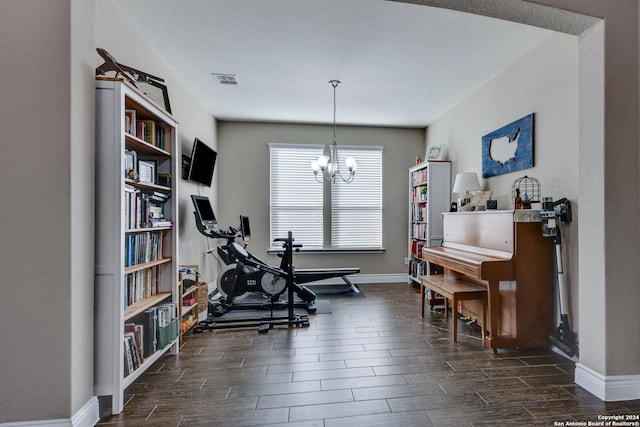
{"x":329,"y":165}
{"x":323,"y":161}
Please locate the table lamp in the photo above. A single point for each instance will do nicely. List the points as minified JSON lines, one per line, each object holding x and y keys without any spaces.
{"x":465,"y":183}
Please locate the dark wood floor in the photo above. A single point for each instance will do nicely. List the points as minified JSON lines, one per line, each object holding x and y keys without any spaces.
{"x":372,"y":362}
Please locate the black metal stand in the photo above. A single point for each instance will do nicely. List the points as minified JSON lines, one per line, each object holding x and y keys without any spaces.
{"x":264,"y":323}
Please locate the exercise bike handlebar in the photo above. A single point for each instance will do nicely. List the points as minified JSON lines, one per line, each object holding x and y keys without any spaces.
{"x":232,"y":234}
{"x":286,"y":241}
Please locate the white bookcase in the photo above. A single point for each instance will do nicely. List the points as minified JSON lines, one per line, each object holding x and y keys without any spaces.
{"x":429,"y":196}
{"x":136,"y":250}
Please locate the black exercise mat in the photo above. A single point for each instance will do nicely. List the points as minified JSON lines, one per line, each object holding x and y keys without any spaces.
{"x":336,"y":291}
{"x":256,"y":305}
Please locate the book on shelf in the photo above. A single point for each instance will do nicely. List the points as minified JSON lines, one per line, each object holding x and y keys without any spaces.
{"x":130,"y":121}
{"x":140,"y":285}
{"x":150,"y":324}
{"x":419,"y":230}
{"x":128,"y":358}
{"x":143,"y":247}
{"x":419,"y":176}
{"x":147,"y":131}
{"x":143,"y":206}
{"x":130,"y":337}
{"x":161,"y":222}
{"x":160,"y":136}
{"x":417,"y":268}
{"x":138,"y":333}
{"x":168,"y":328}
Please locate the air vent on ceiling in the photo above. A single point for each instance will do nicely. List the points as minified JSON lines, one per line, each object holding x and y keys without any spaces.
{"x":226,"y":79}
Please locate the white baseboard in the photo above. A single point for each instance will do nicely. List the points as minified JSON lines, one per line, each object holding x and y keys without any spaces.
{"x":611,"y":388}
{"x":87,"y":416}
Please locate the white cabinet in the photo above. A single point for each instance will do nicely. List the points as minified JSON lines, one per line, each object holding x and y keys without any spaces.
{"x":429,"y":196}
{"x":136,"y":249}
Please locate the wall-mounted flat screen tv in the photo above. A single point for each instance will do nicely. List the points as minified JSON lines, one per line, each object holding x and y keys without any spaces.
{"x":203,"y":162}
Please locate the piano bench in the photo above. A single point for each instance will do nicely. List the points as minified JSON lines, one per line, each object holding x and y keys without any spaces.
{"x":453,"y":290}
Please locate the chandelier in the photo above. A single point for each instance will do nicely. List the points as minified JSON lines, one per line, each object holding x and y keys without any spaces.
{"x":326,"y":168}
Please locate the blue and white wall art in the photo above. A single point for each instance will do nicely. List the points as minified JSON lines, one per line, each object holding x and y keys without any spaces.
{"x":509,"y":148}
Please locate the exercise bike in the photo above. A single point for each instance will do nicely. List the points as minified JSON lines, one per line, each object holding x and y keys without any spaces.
{"x":249,"y":274}
{"x":246,"y":274}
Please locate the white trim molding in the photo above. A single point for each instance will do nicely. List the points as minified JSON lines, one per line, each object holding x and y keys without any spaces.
{"x":608,"y":388}
{"x":87,"y":416}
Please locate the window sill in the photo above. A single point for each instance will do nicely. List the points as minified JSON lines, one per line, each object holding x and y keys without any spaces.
{"x":303,"y":251}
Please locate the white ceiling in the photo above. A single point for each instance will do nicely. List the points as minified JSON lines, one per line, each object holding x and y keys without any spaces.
{"x":400,"y":64}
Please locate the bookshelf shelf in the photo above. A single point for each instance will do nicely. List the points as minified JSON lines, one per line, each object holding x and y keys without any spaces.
{"x":192,"y":289}
{"x":137,"y":303}
{"x":429,"y":196}
{"x":148,"y":361}
{"x":146,"y":265}
{"x":146,"y":185}
{"x":140,"y":306}
{"x":137,"y":144}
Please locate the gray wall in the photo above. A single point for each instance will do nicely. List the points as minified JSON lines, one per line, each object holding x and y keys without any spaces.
{"x":544,"y":82}
{"x":129,"y":47}
{"x":46,"y":209}
{"x":243,"y":185}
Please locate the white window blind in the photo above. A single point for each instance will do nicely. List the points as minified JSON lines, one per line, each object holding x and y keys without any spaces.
{"x":296,"y":197}
{"x":356,"y":207}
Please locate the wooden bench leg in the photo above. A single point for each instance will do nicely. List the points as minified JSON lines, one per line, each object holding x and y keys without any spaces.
{"x":422,"y":298}
{"x":454,"y":318}
{"x":484,"y":318}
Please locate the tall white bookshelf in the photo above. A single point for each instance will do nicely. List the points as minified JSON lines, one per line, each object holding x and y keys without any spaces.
{"x":429,"y":196}
{"x":136,"y":250}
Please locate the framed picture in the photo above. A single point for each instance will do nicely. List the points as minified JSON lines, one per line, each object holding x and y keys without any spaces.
{"x":130,"y":162}
{"x":157,"y":92}
{"x":479,"y":199}
{"x":435,"y":152}
{"x":130,"y":121}
{"x":147,"y":171}
{"x":509,"y":148}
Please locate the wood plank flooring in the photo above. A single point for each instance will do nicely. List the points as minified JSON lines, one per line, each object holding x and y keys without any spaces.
{"x":372,"y":362}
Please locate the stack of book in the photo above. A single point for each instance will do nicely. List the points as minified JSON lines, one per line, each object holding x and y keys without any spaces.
{"x":155,"y":328}
{"x":147,"y":130}
{"x":145,"y":208}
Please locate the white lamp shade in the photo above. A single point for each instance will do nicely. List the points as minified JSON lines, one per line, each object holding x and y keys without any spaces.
{"x":315,"y":166}
{"x":323,"y":161}
{"x":466,"y":181}
{"x":351,"y":163}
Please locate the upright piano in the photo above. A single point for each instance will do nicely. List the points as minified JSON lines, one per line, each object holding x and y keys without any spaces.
{"x":504,"y":252}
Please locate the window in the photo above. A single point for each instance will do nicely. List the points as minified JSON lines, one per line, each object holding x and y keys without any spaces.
{"x":296,"y":197}
{"x":356,"y":208}
{"x":354,"y":211}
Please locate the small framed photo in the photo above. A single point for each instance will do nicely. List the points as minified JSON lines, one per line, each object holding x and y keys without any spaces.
{"x":130,"y":162}
{"x":147,"y":171}
{"x":479,"y":199}
{"x":435,"y":152}
{"x":130,"y":121}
